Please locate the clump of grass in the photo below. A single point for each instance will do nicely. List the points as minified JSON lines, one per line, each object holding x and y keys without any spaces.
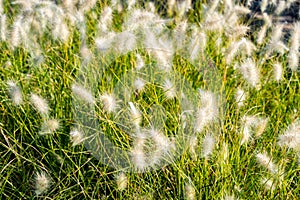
{"x":79,"y":85}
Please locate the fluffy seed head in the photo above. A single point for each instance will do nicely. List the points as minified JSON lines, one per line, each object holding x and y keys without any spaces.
{"x":109,"y":102}
{"x":82,"y":93}
{"x":190,"y":192}
{"x":293,"y":60}
{"x":197,"y":45}
{"x":250,"y":72}
{"x":240,"y":97}
{"x":121,"y":180}
{"x":247,"y":123}
{"x":295,"y":37}
{"x":3,"y":27}
{"x":261,"y":34}
{"x":264,"y":160}
{"x":169,"y":89}
{"x":208,"y":145}
{"x":136,"y":116}
{"x":15,"y":93}
{"x":193,"y":144}
{"x":138,"y":158}
{"x":139,"y":62}
{"x":280,"y":7}
{"x":208,"y":112}
{"x":261,"y":125}
{"x":42,"y":183}
{"x":39,"y":104}
{"x":269,"y":184}
{"x":263,"y":5}
{"x":49,"y":126}
{"x":76,"y":137}
{"x":278,"y":71}
{"x":291,"y":137}
{"x":139,"y":84}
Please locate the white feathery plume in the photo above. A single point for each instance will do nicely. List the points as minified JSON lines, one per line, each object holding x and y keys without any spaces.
{"x":267,"y":20}
{"x":252,"y":124}
{"x":1,"y":7}
{"x":269,"y":184}
{"x":263,"y":5}
{"x":293,"y":60}
{"x":182,"y":7}
{"x":171,"y":6}
{"x":15,"y":39}
{"x":240,"y":97}
{"x":215,"y":21}
{"x":208,"y":111}
{"x":124,"y":42}
{"x":241,"y":9}
{"x":291,"y":137}
{"x":26,"y":5}
{"x":190,"y":192}
{"x":64,"y":32}
{"x":293,"y":57}
{"x":193,"y":144}
{"x":15,"y":93}
{"x":136,"y":116}
{"x":162,"y":142}
{"x":85,"y":53}
{"x":151,"y":7}
{"x":139,"y":84}
{"x":83,"y":93}
{"x":131,"y":4}
{"x":105,"y":20}
{"x":197,"y":45}
{"x":228,"y":6}
{"x":114,"y":3}
{"x":232,"y":51}
{"x":39,"y":104}
{"x":261,"y":34}
{"x":250,"y":72}
{"x":169,"y":89}
{"x":109,"y":102}
{"x":280,"y":7}
{"x":138,"y":156}
{"x":76,"y":137}
{"x":276,"y":45}
{"x":69,"y":5}
{"x":105,"y":43}
{"x":122,"y":181}
{"x":247,"y":123}
{"x":261,"y":125}
{"x":247,"y":46}
{"x":86,"y":5}
{"x":139,"y":62}
{"x":49,"y":126}
{"x":42,"y":183}
{"x":264,"y":160}
{"x":180,"y":34}
{"x":231,"y":19}
{"x":238,"y":31}
{"x":208,"y":145}
{"x":225,"y":153}
{"x":278,"y":72}
{"x":2,"y":27}
{"x":276,"y":33}
{"x":214,"y":4}
{"x":141,"y":19}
